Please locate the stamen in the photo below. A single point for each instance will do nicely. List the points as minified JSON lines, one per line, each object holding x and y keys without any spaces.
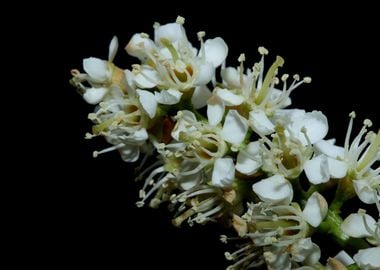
{"x":109,"y":149}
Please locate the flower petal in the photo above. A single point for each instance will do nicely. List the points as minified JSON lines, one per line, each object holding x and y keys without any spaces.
{"x":344,"y":258}
{"x":231,"y":77}
{"x":112,"y":50}
{"x":216,"y":51}
{"x":189,"y":180}
{"x":94,"y":95}
{"x":359,"y":225}
{"x":184,"y":124}
{"x":130,"y":153}
{"x":365,"y":191}
{"x":329,"y":149}
{"x":147,"y":78}
{"x":96,"y":68}
{"x":139,"y":45}
{"x":337,"y":169}
{"x":205,"y":73}
{"x":171,"y":31}
{"x":368,"y":259}
{"x":168,"y":97}
{"x":260,"y":123}
{"x":316,"y":126}
{"x":200,"y":96}
{"x":249,"y":159}
{"x":315,"y":210}
{"x":275,"y":189}
{"x":229,"y":98}
{"x":223,"y":173}
{"x":235,"y":128}
{"x":148,"y":102}
{"x":215,"y":110}
{"x":316,"y":170}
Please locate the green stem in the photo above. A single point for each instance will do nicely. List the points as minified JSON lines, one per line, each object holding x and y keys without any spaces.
{"x":332,"y":225}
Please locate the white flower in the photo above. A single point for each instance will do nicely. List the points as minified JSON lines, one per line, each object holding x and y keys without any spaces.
{"x":251,"y":91}
{"x":275,"y":189}
{"x":285,"y":154}
{"x":102,"y":75}
{"x":171,"y":62}
{"x":368,"y":259}
{"x":234,"y":128}
{"x":361,"y":225}
{"x":355,"y":160}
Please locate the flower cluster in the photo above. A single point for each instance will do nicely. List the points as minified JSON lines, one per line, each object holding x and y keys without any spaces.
{"x":218,"y":144}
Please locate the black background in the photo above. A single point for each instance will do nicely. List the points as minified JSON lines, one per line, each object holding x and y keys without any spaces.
{"x":100,"y":224}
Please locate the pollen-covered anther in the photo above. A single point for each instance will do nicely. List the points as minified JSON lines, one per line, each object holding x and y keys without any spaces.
{"x":307,"y":79}
{"x":263,"y":50}
{"x":284,"y":77}
{"x":156,"y":25}
{"x":367,"y":123}
{"x":228,"y":256}
{"x":201,"y":34}
{"x":296,"y":77}
{"x":352,"y":114}
{"x":241,"y":58}
{"x":144,"y":35}
{"x":180,"y":20}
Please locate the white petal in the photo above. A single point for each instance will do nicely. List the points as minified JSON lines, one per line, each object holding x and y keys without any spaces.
{"x":249,"y":159}
{"x":260,"y":123}
{"x":277,"y":259}
{"x":301,"y":249}
{"x":189,"y":180}
{"x":94,"y":95}
{"x":368,"y":259}
{"x":235,"y":128}
{"x":168,"y":97}
{"x":229,"y":98}
{"x":148,"y":102}
{"x":200,"y":96}
{"x":338,"y":169}
{"x":275,"y":94}
{"x":329,"y":149}
{"x":275,"y":189}
{"x":130,"y":153}
{"x":344,"y":258}
{"x":216,"y":51}
{"x":223,"y":173}
{"x":171,"y":31}
{"x":147,"y":78}
{"x":204,"y":74}
{"x":359,"y":225}
{"x":139,"y":136}
{"x":184,"y":124}
{"x":316,"y":170}
{"x":215,"y":110}
{"x":314,"y":256}
{"x":231,"y":76}
{"x":139,"y":45}
{"x":316,"y":127}
{"x":365,"y":191}
{"x":96,"y":68}
{"x":315,"y":210}
{"x":112,"y":50}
